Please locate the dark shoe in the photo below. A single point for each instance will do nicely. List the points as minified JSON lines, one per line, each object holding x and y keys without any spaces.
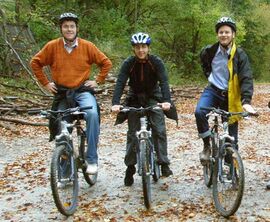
{"x":268,"y":185}
{"x":165,"y":170}
{"x":130,"y":171}
{"x":205,"y":155}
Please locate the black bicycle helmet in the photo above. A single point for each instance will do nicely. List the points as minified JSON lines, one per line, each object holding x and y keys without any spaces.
{"x":68,"y":16}
{"x":225,"y":21}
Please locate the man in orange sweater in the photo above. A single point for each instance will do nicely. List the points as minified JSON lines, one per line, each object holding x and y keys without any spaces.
{"x":70,"y":59}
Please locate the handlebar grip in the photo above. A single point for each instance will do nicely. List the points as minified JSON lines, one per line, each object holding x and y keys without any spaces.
{"x":253,"y":114}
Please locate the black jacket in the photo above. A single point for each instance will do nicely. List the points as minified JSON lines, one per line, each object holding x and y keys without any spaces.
{"x":148,"y":79}
{"x":241,"y":67}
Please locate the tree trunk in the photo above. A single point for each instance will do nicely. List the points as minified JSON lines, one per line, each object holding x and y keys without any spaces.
{"x":17,"y":11}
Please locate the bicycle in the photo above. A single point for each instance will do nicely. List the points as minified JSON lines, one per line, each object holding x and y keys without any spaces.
{"x":146,"y":155}
{"x":66,"y":160}
{"x":225,"y":170}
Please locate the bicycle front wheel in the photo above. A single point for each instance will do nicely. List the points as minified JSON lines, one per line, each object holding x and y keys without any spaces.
{"x":156,"y":174}
{"x":208,"y":168}
{"x":64,"y":180}
{"x":228,"y":182}
{"x":90,"y":179}
{"x":146,"y":171}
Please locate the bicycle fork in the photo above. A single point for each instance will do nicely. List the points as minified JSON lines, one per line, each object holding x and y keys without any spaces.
{"x":225,"y":141}
{"x":63,"y":164}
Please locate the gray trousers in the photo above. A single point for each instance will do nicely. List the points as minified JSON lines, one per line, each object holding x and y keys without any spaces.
{"x":159,"y":136}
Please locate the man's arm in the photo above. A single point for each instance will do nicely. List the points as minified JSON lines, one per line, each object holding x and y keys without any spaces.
{"x":103,"y":62}
{"x":245,"y":77}
{"x":41,"y":59}
{"x":121,"y":82}
{"x":163,"y":79}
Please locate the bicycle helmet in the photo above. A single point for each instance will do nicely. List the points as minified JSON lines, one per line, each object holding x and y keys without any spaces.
{"x":225,"y":21}
{"x":140,"y":38}
{"x":68,"y":16}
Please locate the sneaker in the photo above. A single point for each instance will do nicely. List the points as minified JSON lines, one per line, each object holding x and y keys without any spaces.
{"x":92,"y":168}
{"x":165,"y":170}
{"x":268,"y":185}
{"x":130,"y":171}
{"x":205,"y":155}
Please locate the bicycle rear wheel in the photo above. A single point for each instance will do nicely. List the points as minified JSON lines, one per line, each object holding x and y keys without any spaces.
{"x":90,"y":179}
{"x":228,"y":183}
{"x":64,"y":181}
{"x":146,"y":171}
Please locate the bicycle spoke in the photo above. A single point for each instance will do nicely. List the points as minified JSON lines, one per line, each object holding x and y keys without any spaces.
{"x":64,"y":181}
{"x":229,"y":185}
{"x":145,"y":173}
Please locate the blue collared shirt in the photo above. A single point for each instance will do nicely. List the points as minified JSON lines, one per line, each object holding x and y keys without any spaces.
{"x":70,"y":48}
{"x":220,"y":72}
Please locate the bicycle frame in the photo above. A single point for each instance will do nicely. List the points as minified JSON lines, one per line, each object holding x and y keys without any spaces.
{"x":145,"y":134}
{"x":224,"y":139}
{"x":64,"y":159}
{"x":225,"y":171}
{"x":145,"y":152}
{"x":65,"y":138}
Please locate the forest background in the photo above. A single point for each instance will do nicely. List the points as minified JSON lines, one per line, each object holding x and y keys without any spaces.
{"x":178,"y":28}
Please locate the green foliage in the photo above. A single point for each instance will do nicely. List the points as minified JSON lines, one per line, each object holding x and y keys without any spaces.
{"x":257,"y":42}
{"x":179,"y":28}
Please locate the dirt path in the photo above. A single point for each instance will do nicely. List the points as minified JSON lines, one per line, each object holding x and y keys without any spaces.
{"x":24,"y":175}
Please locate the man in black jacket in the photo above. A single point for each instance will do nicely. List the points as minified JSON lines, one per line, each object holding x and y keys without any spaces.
{"x":148,"y":85}
{"x":230,"y":82}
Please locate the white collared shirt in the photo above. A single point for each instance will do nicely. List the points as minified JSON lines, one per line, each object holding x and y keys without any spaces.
{"x":73,"y":46}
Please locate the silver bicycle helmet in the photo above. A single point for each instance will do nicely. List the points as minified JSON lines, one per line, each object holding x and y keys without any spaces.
{"x":68,"y":16}
{"x":226,"y":21}
{"x":140,"y":38}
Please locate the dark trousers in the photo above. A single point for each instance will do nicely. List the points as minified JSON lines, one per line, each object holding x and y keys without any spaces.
{"x":159,"y":136}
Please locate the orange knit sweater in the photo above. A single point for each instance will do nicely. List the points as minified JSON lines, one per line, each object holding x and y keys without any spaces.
{"x":70,"y":69}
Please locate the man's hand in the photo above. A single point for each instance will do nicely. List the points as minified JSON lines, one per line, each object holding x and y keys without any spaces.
{"x":165,"y":106}
{"x":116,"y":108}
{"x":248,"y":108}
{"x":91,"y":84}
{"x":51,"y":87}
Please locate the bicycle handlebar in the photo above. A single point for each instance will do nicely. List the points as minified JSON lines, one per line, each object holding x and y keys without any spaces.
{"x":65,"y":112}
{"x":126,"y":109}
{"x":228,"y":114}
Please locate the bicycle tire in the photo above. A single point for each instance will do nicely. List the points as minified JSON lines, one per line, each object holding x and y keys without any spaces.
{"x":145,"y":163}
{"x":208,"y":168}
{"x":61,"y":174}
{"x":90,"y":179}
{"x":156,"y":173}
{"x":227,"y":201}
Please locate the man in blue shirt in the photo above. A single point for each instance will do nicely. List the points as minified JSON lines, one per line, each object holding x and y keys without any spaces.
{"x":224,"y":65}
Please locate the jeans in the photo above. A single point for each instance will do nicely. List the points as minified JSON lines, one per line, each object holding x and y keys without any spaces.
{"x":210,"y":98}
{"x":92,"y":123}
